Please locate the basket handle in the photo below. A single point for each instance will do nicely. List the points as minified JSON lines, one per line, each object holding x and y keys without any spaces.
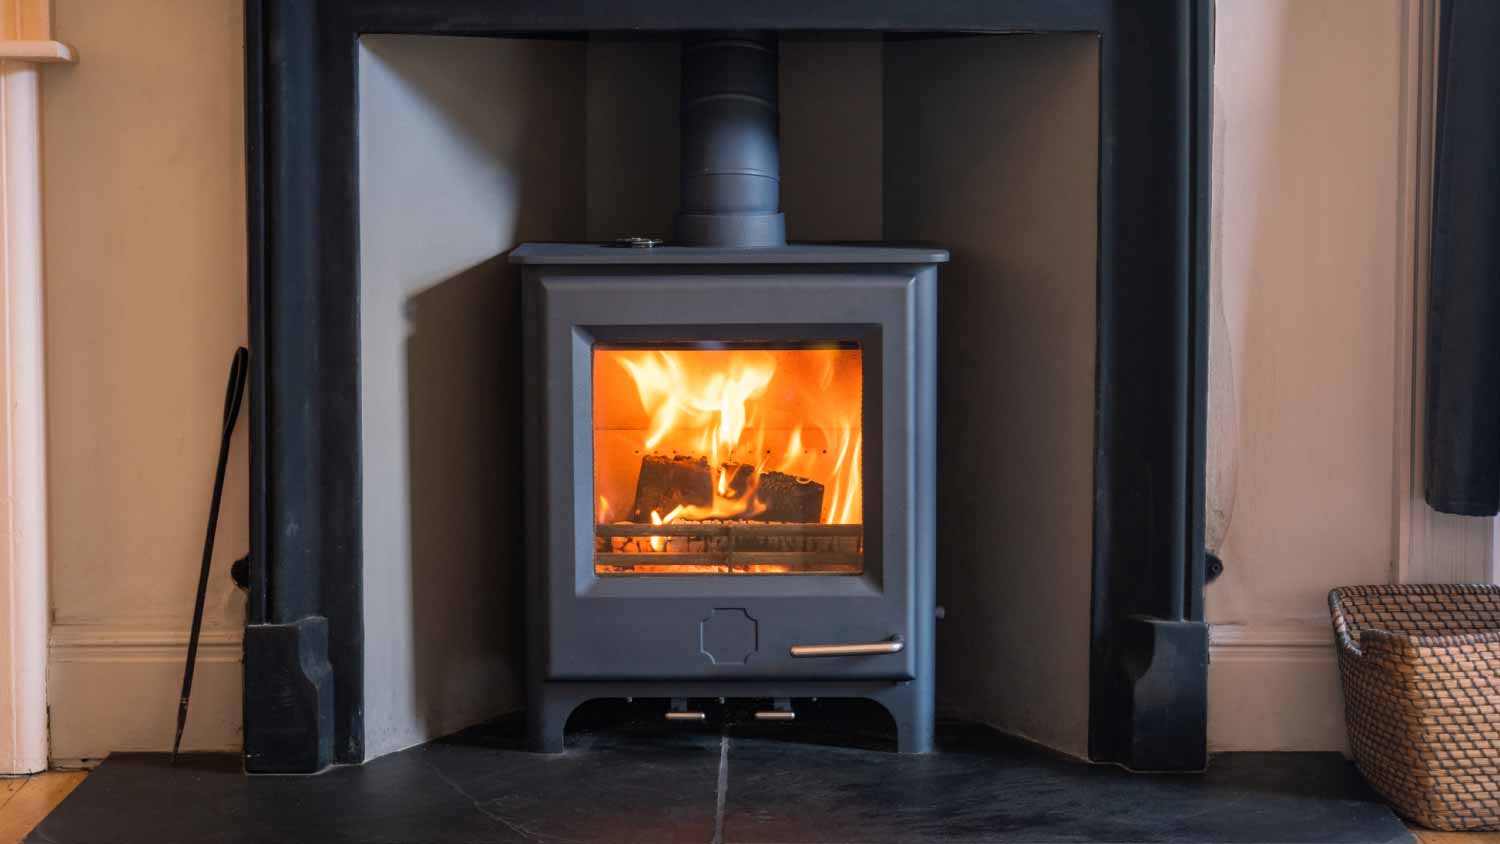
{"x":1346,"y":641}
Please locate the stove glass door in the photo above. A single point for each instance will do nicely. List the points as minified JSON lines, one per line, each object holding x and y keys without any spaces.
{"x":728,"y":459}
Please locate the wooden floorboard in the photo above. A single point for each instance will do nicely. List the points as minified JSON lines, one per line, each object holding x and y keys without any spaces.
{"x":8,"y":789}
{"x":25,"y":801}
{"x":1429,"y":836}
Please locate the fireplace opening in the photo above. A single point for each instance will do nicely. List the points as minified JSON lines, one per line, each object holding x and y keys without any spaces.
{"x":715,"y":458}
{"x":472,"y":146}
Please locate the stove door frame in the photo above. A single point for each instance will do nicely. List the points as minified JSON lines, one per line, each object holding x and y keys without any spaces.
{"x":597,"y":628}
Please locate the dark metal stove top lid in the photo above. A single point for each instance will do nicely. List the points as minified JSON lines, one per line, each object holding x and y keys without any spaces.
{"x":802,"y":253}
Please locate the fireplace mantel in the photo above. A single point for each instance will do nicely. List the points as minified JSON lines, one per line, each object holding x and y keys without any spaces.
{"x":304,"y":644}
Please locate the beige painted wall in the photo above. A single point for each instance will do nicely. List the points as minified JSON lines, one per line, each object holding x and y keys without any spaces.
{"x":1307,"y":305}
{"x":143,"y":192}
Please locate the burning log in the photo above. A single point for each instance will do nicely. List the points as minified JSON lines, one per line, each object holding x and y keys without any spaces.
{"x":788,"y":498}
{"x":667,"y":482}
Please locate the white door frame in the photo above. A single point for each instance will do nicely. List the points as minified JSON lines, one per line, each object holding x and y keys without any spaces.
{"x":25,"y":42}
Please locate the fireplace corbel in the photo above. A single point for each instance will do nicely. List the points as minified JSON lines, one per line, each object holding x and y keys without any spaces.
{"x":304,"y":665}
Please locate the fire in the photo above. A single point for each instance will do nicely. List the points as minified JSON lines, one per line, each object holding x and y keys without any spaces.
{"x":845,"y":505}
{"x":712,"y":400}
{"x":746,"y":413}
{"x":656,"y":519}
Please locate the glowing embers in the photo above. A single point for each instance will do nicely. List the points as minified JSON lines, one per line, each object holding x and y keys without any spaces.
{"x":728,"y":460}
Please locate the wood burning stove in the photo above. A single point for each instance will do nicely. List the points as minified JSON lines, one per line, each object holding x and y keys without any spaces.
{"x":731,"y":443}
{"x":732,"y":460}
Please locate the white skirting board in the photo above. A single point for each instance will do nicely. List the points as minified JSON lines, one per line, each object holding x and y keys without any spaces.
{"x":1274,"y":687}
{"x":115,"y":688}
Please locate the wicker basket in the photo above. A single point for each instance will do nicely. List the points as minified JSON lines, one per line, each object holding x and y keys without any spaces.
{"x":1421,"y":673}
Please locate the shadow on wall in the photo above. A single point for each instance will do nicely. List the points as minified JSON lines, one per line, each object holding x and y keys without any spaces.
{"x":468,"y":146}
{"x":463,"y":381}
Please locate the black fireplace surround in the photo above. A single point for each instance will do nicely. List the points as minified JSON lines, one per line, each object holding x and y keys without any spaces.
{"x":304,"y":671}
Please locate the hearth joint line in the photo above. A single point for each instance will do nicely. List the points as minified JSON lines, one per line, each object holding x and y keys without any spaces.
{"x":723,"y":788}
{"x":479,"y":805}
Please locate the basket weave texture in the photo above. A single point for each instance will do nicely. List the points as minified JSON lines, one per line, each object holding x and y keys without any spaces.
{"x":1421,"y":673}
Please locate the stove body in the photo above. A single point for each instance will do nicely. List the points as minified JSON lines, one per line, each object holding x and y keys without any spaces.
{"x":730,"y":443}
{"x":746,"y":597}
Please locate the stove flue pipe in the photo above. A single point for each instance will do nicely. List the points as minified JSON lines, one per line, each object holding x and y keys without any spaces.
{"x":731,"y":158}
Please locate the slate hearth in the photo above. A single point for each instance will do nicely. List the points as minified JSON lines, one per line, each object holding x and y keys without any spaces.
{"x":634,"y":779}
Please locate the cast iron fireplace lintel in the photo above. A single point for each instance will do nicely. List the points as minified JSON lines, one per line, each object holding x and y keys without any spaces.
{"x":302,"y":131}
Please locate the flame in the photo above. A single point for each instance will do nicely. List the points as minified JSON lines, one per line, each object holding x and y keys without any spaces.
{"x":793,"y":454}
{"x":794,"y":411}
{"x":674,"y":396}
{"x":845,"y":500}
{"x":655,"y":540}
{"x":656,"y":519}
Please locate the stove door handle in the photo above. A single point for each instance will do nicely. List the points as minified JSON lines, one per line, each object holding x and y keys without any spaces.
{"x":894,"y":645}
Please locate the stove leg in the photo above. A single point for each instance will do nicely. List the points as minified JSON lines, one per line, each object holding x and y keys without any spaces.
{"x":546,"y":717}
{"x":912,"y":712}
